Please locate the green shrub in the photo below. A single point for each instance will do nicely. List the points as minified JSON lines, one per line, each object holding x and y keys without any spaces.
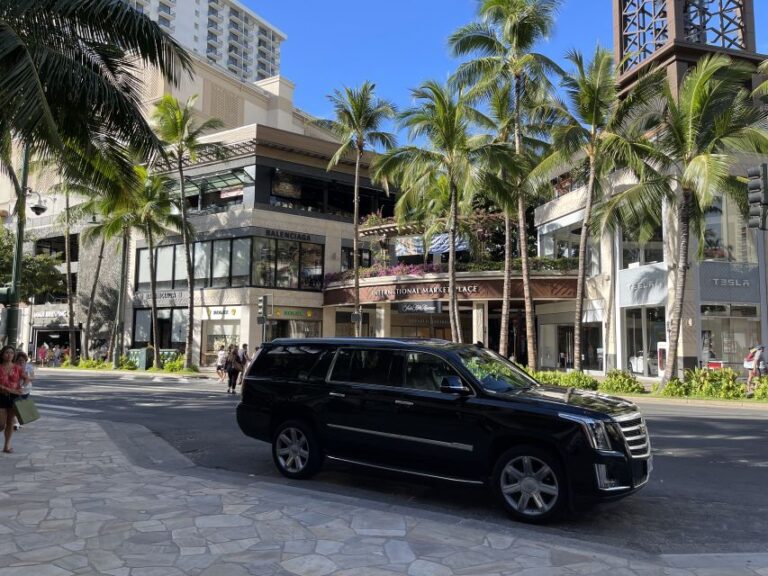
{"x":715,"y":383}
{"x":620,"y":382}
{"x":68,"y":363}
{"x":579,"y":380}
{"x":93,"y":364}
{"x":676,"y":388}
{"x":175,"y":365}
{"x":127,"y":364}
{"x":761,"y":389}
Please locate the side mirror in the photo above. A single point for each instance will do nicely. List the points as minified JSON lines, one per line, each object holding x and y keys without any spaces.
{"x":453,"y":385}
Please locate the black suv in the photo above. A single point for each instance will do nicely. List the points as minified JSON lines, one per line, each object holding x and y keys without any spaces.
{"x":455,"y":412}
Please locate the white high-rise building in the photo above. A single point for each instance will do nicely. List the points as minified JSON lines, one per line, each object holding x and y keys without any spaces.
{"x":224,"y":31}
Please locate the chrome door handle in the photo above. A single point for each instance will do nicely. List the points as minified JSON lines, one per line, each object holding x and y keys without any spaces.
{"x":336,"y":394}
{"x":403,"y":402}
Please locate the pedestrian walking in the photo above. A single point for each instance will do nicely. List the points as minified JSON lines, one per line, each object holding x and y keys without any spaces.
{"x":22,"y":361}
{"x":41,"y":352}
{"x":244,"y":361}
{"x":221,"y":358}
{"x":233,"y":367}
{"x":755,"y":363}
{"x":56,"y":356}
{"x":11,"y":379}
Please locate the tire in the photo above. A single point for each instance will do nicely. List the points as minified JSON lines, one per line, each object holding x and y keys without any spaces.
{"x":530,"y":484}
{"x":296,"y":450}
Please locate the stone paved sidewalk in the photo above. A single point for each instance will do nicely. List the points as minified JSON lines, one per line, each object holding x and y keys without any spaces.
{"x":71,"y":502}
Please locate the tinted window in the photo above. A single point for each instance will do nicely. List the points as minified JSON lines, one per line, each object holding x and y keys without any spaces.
{"x":292,"y":363}
{"x":495,"y":373}
{"x":426,"y":371}
{"x":383,"y":367}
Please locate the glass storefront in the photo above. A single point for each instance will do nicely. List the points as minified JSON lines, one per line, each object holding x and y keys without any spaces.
{"x":564,"y":243}
{"x":726,"y":236}
{"x":644,"y":328}
{"x":635,"y":253}
{"x":171,"y":328}
{"x":728,"y":331}
{"x":218,"y":333}
{"x":247,"y":261}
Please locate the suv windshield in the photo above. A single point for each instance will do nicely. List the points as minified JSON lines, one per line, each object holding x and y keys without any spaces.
{"x":494,"y":372}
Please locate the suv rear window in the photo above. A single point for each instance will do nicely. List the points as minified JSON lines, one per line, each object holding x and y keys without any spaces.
{"x":384,"y":367}
{"x":293,"y":363}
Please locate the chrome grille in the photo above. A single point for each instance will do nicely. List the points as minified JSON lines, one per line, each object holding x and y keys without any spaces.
{"x":635,"y":434}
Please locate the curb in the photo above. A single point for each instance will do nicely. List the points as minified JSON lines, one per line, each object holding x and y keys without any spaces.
{"x":735,"y":404}
{"x":176,"y":375}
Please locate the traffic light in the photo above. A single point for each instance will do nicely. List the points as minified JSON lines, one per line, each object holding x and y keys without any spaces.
{"x":6,"y":294}
{"x":262,"y":306}
{"x":757,"y":191}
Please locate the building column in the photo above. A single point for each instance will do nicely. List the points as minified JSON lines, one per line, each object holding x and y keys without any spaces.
{"x":383,"y":326}
{"x":329,"y":321}
{"x":480,"y":322}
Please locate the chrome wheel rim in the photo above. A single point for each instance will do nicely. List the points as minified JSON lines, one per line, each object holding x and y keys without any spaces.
{"x":292,"y":449}
{"x":529,"y":486}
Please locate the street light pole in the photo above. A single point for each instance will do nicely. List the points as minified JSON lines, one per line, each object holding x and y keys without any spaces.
{"x":12,"y":316}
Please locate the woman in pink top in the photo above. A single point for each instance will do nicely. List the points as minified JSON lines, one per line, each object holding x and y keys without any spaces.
{"x":11,"y":378}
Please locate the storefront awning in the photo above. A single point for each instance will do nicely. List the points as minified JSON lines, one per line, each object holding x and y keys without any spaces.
{"x":219,"y":181}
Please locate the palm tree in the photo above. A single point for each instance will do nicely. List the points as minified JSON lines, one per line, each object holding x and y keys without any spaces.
{"x":700,"y":132}
{"x":359,"y":118}
{"x":68,"y":75}
{"x":180,"y":134}
{"x":443,"y":119}
{"x":503,"y":41}
{"x":157,"y":213}
{"x":597,"y":133}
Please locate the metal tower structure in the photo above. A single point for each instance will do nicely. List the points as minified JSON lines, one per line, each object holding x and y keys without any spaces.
{"x":674,"y":34}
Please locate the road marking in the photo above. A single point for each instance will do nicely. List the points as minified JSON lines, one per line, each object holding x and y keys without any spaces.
{"x":68,"y":408}
{"x":63,"y":411}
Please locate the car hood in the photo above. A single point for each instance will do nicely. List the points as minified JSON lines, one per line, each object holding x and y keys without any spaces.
{"x":585,"y":399}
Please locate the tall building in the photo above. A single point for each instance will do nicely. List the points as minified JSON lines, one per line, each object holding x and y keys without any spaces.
{"x":224,"y":32}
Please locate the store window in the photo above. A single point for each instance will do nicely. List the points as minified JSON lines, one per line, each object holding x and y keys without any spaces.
{"x":728,"y":331}
{"x":311,"y":277}
{"x":635,"y":253}
{"x":263,"y":262}
{"x":202,"y":264}
{"x":347,"y":262}
{"x":287,"y":264}
{"x":171,"y":327}
{"x":142,"y":275}
{"x":644,"y":329}
{"x":164,"y":267}
{"x":564,"y":243}
{"x":180,"y":267}
{"x":241,"y":262}
{"x":216,"y":334}
{"x":592,"y":351}
{"x":726,"y":235}
{"x":220,"y":268}
{"x":256,"y":261}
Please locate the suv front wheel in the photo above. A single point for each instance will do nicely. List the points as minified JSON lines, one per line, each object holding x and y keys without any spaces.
{"x":530,"y":484}
{"x":296,"y":450}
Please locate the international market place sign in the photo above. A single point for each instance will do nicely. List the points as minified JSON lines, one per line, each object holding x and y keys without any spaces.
{"x":490,"y":289}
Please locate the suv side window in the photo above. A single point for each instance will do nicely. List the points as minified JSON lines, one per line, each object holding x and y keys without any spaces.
{"x":293,"y":363}
{"x":426,"y":371}
{"x":373,"y":366}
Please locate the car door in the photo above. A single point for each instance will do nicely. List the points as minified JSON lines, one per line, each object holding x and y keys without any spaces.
{"x":442,"y":431}
{"x":361,"y":403}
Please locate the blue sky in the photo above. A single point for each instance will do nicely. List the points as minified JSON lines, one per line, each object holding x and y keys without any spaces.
{"x":398,"y":43}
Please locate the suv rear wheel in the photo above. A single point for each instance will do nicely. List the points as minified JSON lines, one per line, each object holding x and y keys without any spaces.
{"x":530,"y":484}
{"x":296,"y":450}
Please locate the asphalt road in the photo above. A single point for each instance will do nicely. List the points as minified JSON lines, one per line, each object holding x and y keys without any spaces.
{"x":708,"y":492}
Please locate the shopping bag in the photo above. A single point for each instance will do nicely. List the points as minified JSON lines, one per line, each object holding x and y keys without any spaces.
{"x":26,"y":411}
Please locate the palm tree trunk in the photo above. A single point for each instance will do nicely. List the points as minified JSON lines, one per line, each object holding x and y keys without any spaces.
{"x":504,"y":332}
{"x":153,"y":299}
{"x":453,"y":306}
{"x":582,"y":274}
{"x":355,"y":254}
{"x":522,"y":240}
{"x":190,"y":270}
{"x":684,"y":225}
{"x":70,"y":296}
{"x":92,"y":299}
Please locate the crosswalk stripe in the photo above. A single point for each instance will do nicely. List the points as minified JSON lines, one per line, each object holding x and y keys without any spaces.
{"x":59,"y":413}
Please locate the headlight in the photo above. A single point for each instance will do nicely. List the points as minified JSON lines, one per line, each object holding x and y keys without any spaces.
{"x":594,"y":429}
